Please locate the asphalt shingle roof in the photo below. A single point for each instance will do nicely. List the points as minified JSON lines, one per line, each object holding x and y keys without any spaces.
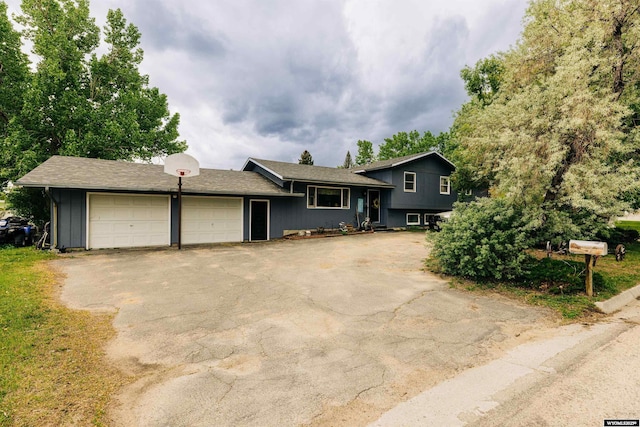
{"x":384,"y":164}
{"x":317,"y":174}
{"x":96,"y":174}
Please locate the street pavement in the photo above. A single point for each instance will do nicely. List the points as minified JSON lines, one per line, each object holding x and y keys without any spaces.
{"x":580,"y":375}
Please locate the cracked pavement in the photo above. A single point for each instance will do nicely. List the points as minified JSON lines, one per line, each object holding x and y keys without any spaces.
{"x":331,"y":331}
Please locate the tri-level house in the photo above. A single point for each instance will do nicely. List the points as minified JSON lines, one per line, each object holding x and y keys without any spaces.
{"x":112,"y":204}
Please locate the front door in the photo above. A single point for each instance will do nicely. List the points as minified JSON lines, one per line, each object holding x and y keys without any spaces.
{"x":374,"y":205}
{"x":259,"y":217}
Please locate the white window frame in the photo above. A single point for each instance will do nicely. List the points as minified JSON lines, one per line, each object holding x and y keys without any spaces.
{"x":314,"y":188}
{"x":414,"y":222}
{"x":445,"y":181}
{"x":414,"y":182}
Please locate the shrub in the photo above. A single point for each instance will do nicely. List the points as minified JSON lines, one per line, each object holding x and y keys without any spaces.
{"x":616,"y":235}
{"x":31,"y":203}
{"x":484,"y":239}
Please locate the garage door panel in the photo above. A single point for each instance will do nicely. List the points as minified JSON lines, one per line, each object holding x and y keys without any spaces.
{"x":117,"y":221}
{"x":211,"y":220}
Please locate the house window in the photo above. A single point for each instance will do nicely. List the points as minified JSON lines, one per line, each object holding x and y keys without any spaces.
{"x":445,"y":185}
{"x":409,"y":182}
{"x":413,"y":219}
{"x":327,"y":197}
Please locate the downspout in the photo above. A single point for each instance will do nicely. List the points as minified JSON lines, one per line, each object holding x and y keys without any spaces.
{"x":54,"y":219}
{"x":291,"y":187}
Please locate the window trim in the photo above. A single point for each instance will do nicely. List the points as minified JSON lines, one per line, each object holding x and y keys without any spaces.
{"x":414,"y":182}
{"x":413,"y":223}
{"x":342,"y":197}
{"x":448,"y":184}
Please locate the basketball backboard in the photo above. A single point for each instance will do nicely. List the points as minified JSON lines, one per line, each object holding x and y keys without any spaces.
{"x":181,"y":165}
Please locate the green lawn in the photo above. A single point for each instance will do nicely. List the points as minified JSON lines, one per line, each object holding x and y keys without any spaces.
{"x":610,"y":278}
{"x":21,"y":314}
{"x":52,"y":367}
{"x":629,"y":225}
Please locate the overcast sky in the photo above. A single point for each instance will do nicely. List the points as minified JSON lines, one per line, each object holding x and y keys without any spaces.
{"x":269,"y":79}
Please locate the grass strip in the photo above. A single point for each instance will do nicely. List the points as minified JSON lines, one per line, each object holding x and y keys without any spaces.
{"x":53,"y":369}
{"x":558,"y":283}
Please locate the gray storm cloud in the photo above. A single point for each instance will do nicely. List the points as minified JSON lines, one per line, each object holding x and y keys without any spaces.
{"x":271,"y":79}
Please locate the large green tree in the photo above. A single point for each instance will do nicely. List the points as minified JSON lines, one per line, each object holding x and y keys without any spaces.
{"x":74,"y":102}
{"x":554,"y":121}
{"x":406,"y":143}
{"x":365,"y":153}
{"x":14,"y":72}
{"x":483,"y":80}
{"x":79,"y":104}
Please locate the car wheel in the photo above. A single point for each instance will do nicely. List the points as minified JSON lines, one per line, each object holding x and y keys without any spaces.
{"x":19,"y":240}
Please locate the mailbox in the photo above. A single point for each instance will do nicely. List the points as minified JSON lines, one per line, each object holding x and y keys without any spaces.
{"x":587,"y":247}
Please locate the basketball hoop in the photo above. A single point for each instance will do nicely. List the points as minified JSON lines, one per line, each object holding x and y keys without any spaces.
{"x":181,"y":165}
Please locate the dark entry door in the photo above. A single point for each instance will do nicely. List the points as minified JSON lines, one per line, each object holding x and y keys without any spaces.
{"x":374,"y":205}
{"x":259,"y":220}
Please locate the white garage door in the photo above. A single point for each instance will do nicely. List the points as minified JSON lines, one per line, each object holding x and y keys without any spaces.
{"x":211,"y":219}
{"x":121,"y":221}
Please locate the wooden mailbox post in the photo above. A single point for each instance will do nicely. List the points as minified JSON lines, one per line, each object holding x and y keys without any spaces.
{"x":589,"y":249}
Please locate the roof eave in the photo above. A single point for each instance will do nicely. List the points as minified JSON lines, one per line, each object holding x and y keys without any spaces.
{"x":255,"y":162}
{"x":162,"y":190}
{"x":402,"y":162}
{"x":352,"y":184}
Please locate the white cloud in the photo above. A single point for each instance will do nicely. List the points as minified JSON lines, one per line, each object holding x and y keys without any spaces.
{"x":271,"y":79}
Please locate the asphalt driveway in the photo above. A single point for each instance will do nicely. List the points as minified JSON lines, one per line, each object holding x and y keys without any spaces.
{"x":328,"y":331}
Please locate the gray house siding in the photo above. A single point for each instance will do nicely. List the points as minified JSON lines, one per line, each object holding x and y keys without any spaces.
{"x":71,"y":217}
{"x":428,"y":172}
{"x":382,"y":174}
{"x":292,"y":213}
{"x":396,"y":203}
{"x":398,"y":217}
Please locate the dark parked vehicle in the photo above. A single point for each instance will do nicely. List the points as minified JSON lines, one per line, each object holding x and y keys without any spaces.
{"x":16,"y":231}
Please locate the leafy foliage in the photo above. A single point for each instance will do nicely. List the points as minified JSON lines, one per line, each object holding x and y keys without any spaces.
{"x":365,"y":153}
{"x":76,"y":103}
{"x":484,"y":239}
{"x":552,"y":123}
{"x":31,"y":203}
{"x":305,"y":158}
{"x":483,"y":81}
{"x":404,"y":144}
{"x":14,"y":72}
